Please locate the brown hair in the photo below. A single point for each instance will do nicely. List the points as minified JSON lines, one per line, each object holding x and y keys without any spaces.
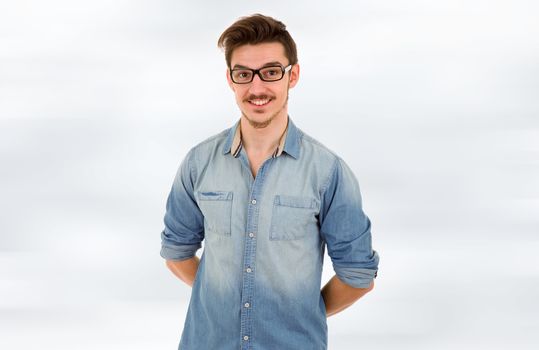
{"x":257,"y":29}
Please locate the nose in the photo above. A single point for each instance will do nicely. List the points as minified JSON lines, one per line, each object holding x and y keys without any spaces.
{"x":257,"y":86}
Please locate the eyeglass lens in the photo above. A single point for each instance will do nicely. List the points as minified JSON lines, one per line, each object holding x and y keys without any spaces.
{"x":266,"y":74}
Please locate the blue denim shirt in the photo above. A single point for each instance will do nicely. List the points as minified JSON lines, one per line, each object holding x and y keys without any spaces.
{"x":259,"y":278}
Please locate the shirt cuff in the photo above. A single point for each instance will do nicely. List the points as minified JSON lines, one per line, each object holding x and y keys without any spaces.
{"x":355,"y":277}
{"x":179,"y":252}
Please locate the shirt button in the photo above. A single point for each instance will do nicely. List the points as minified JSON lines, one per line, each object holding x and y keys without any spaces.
{"x":253,"y":201}
{"x":245,"y":337}
{"x":251,"y":234}
{"x":248,"y":269}
{"x":246,"y":305}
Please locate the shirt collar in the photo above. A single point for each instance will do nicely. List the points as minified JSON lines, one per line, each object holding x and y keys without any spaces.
{"x":288,"y":143}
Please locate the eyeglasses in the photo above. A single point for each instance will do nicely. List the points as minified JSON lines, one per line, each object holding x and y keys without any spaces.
{"x":270,"y":73}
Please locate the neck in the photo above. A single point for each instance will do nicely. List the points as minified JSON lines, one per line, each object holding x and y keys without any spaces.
{"x":263,"y":141}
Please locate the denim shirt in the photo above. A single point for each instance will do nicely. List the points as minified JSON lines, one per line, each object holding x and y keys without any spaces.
{"x":258,"y":282}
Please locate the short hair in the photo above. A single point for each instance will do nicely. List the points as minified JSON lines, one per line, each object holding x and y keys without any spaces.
{"x":257,"y":29}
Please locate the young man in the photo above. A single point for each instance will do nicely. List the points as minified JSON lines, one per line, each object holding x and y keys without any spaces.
{"x":266,"y":199}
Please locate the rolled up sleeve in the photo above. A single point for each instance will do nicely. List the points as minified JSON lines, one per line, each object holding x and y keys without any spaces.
{"x":346,"y":229}
{"x":184,"y":222}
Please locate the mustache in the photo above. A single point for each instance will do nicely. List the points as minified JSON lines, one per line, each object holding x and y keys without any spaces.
{"x":258,"y":97}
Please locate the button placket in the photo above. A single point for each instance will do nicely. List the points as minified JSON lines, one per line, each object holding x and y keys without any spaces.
{"x":249,"y":253}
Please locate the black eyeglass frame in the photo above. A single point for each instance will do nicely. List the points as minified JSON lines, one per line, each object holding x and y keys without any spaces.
{"x":284,"y":70}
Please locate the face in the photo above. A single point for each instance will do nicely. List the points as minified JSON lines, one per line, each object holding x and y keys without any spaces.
{"x":261,"y":102}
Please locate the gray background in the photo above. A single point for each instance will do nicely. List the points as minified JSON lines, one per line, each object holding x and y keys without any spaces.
{"x":432,"y":103}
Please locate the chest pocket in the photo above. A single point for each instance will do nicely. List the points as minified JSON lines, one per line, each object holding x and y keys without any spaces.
{"x":293,"y":218}
{"x":216,"y":206}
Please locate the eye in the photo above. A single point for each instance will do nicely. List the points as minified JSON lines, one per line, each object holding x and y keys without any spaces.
{"x":271,"y":72}
{"x":242,"y":74}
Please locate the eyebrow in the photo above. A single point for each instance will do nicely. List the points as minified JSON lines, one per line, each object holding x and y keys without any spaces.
{"x":268,"y":64}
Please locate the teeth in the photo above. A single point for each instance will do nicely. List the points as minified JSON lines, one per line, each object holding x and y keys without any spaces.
{"x":259,"y":102}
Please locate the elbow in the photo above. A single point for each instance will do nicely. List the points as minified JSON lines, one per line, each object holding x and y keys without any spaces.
{"x":360,"y":292}
{"x":175,"y":266}
{"x":363,"y":291}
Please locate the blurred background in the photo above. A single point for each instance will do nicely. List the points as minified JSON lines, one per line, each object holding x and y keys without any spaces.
{"x":433,"y":104}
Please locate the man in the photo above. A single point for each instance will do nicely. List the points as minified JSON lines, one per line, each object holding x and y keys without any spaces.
{"x":266,"y":198}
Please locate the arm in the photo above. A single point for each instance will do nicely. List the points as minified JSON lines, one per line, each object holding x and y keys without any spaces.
{"x":185,"y":270}
{"x":347,"y":232}
{"x":184,"y":224}
{"x":338,"y":295}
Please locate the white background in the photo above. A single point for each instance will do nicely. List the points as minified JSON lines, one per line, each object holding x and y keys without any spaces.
{"x":434,"y":105}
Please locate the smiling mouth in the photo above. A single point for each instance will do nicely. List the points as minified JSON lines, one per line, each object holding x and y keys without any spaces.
{"x":260,"y":102}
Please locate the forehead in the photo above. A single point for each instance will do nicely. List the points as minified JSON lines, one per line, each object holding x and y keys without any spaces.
{"x":257,"y":55}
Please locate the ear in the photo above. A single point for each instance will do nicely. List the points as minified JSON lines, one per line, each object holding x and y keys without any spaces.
{"x":294,"y":75}
{"x":230,"y":83}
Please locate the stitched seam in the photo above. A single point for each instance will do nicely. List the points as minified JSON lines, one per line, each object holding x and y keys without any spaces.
{"x":192,"y":166}
{"x":330,"y":177}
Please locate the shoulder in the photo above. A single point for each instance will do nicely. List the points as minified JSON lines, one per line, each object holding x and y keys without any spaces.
{"x":198,"y":154}
{"x":208,"y":146}
{"x":212,"y":142}
{"x":316,"y":150}
{"x":333,"y":167}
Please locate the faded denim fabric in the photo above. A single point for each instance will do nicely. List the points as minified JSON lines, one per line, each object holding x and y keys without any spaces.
{"x":259,"y":279}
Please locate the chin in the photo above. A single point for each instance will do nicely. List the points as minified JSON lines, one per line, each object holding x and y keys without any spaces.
{"x":259,"y":121}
